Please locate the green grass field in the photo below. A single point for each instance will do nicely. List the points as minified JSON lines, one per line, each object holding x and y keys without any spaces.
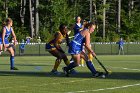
{"x":33,"y":76}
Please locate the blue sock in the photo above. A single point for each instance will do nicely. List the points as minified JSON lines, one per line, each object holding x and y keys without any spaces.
{"x":91,"y":67}
{"x":71,"y":66}
{"x":12,"y":61}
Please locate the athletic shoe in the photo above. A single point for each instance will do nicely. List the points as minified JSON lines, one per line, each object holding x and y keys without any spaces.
{"x":1,"y":52}
{"x":82,"y":65}
{"x":55,"y":72}
{"x":66,"y":72}
{"x":97,"y":74}
{"x":13,"y":68}
{"x":72,"y":71}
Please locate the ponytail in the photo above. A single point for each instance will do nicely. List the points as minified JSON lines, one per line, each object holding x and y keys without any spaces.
{"x":3,"y":24}
{"x":89,"y":24}
{"x":8,"y":21}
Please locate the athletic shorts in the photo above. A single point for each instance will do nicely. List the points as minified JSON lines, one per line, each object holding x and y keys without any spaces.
{"x":49,"y":47}
{"x":5,"y":40}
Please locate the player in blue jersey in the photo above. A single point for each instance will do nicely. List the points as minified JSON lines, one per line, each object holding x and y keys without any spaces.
{"x":22,"y":47}
{"x":121,"y":44}
{"x":76,"y":47}
{"x":78,"y":25}
{"x":6,"y":32}
{"x":1,"y":44}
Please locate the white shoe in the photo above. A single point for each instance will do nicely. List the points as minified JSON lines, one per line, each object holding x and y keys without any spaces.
{"x":1,"y":52}
{"x":79,"y":65}
{"x":83,"y":65}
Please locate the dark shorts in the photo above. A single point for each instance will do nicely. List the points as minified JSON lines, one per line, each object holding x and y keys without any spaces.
{"x":49,"y":47}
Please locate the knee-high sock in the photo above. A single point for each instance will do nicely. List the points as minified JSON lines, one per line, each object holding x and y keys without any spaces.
{"x":82,"y":61}
{"x":91,"y":67}
{"x":71,"y":66}
{"x":57,"y":63}
{"x":67,"y":62}
{"x":12,"y":61}
{"x":90,"y":56}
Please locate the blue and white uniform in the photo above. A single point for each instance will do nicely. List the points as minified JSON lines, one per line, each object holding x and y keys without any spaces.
{"x":0,"y":38}
{"x":7,"y":34}
{"x":77,"y":28}
{"x":76,"y":45}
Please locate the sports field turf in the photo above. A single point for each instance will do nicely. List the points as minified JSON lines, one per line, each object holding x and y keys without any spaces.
{"x":33,"y":76}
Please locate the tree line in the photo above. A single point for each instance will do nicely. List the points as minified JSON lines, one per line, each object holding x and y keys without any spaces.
{"x":34,"y":18}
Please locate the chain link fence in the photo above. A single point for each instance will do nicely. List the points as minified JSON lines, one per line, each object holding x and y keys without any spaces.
{"x":100,"y":48}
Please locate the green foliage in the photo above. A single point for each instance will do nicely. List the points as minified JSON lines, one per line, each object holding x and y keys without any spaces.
{"x":21,"y":33}
{"x":54,"y":12}
{"x":45,"y":35}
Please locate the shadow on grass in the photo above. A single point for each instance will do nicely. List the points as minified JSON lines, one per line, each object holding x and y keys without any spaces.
{"x":37,"y":64}
{"x":115,"y":75}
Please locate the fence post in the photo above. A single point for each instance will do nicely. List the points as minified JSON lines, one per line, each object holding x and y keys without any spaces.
{"x":111,"y":48}
{"x":39,"y":48}
{"x":127,"y":48}
{"x":94,"y":47}
{"x":19,"y":48}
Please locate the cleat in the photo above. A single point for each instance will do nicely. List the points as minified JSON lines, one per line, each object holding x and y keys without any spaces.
{"x":65,"y":71}
{"x":82,"y":65}
{"x":98,"y":74}
{"x":79,"y":65}
{"x":1,"y":52}
{"x":55,"y":72}
{"x":13,"y":68}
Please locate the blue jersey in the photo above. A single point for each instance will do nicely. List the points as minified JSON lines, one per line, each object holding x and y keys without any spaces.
{"x":76,"y":45}
{"x":77,"y":28}
{"x":0,"y":34}
{"x":0,"y":38}
{"x":22,"y":46}
{"x":7,"y":34}
{"x":121,"y":43}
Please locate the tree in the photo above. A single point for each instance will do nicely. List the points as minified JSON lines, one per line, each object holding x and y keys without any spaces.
{"x":6,"y":8}
{"x":22,"y":11}
{"x":104,"y":18}
{"x":36,"y":18}
{"x":32,"y":17}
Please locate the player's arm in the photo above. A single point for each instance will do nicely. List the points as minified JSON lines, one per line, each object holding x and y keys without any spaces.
{"x":87,"y":43}
{"x":3,"y":36}
{"x":14,"y":36}
{"x":57,"y":36}
{"x":67,"y":40}
{"x":82,"y":28}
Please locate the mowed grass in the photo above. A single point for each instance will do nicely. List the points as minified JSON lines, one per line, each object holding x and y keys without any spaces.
{"x":34,"y":76}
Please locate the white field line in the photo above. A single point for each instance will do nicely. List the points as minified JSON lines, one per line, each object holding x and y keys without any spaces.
{"x":126,"y":68}
{"x":45,"y":84}
{"x":104,"y":89}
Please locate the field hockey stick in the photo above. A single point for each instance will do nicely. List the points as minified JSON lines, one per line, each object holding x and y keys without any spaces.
{"x":102,"y":65}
